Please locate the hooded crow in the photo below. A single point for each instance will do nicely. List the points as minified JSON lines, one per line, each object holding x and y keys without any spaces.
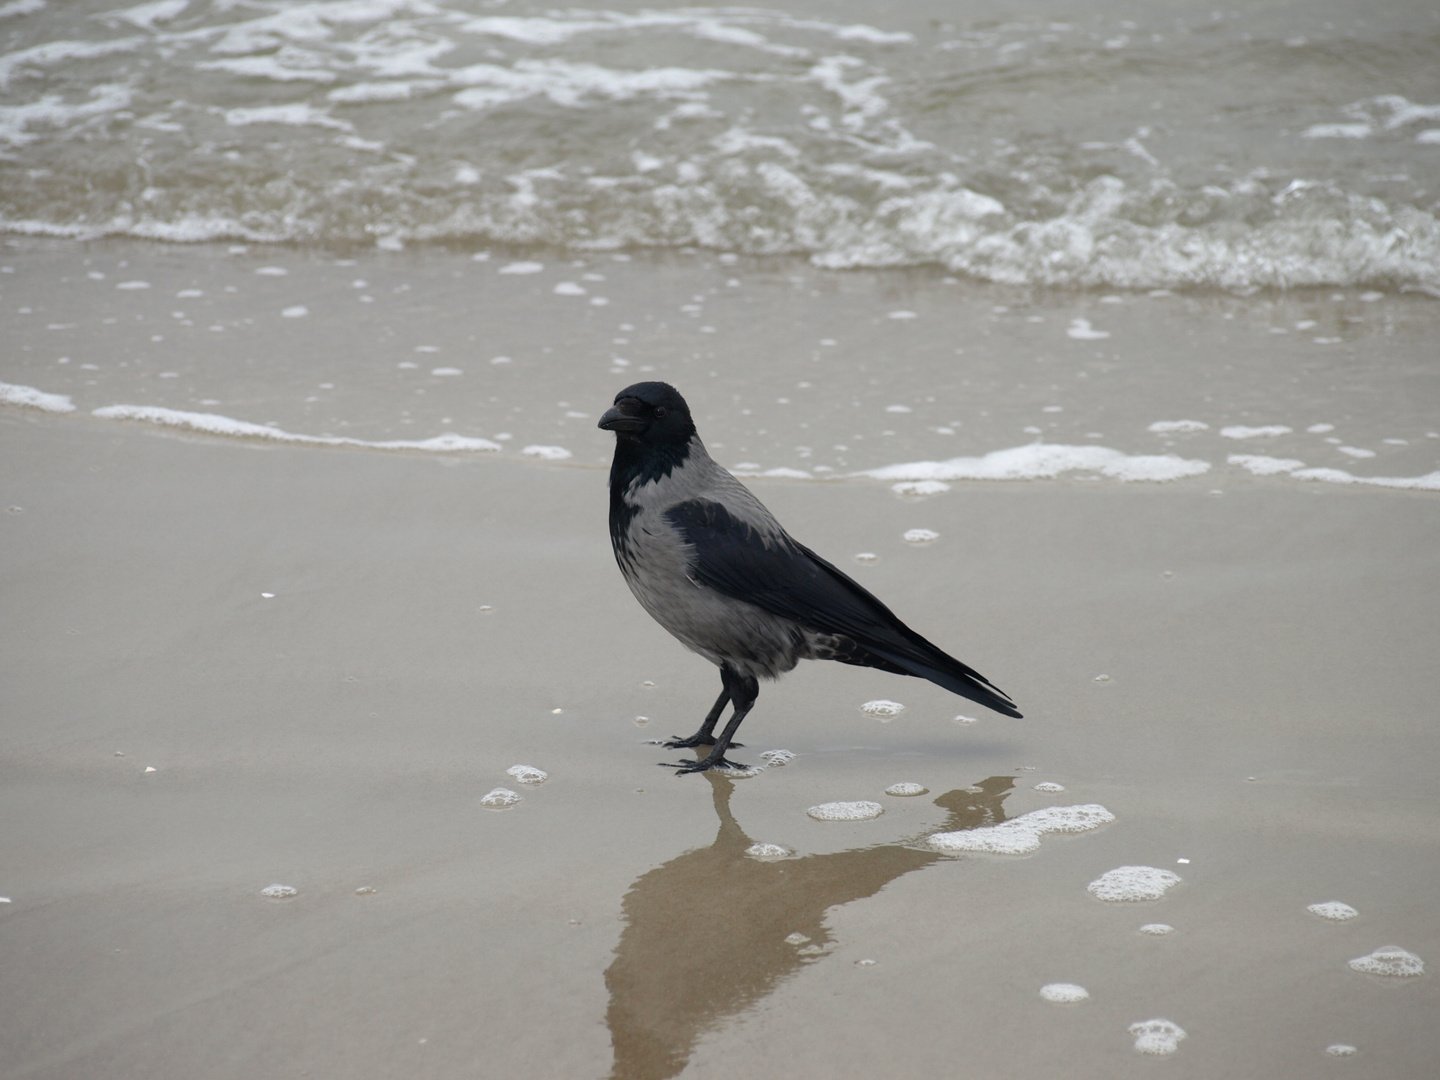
{"x":713,"y":566}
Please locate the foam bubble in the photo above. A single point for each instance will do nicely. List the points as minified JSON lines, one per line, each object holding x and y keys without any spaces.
{"x":1081,"y":330}
{"x":528,"y":774}
{"x":881,"y":709}
{"x":1162,"y":426}
{"x":1049,"y":787}
{"x":295,"y":311}
{"x":447,"y":371}
{"x":547,"y":453}
{"x":29,"y":397}
{"x":1158,"y":1037}
{"x":921,"y":536}
{"x":569,"y":288}
{"x":1042,"y":461}
{"x":768,"y":852}
{"x":1064,"y":993}
{"x":965,"y":719}
{"x":1240,"y":431}
{"x":500,"y":799}
{"x":279,"y":892}
{"x":1333,"y":909}
{"x":1390,"y":960}
{"x":1341,"y":1050}
{"x":906,"y":789}
{"x":919,"y":489}
{"x":846,"y":811}
{"x":796,"y":938}
{"x":521,"y":268}
{"x":1261,"y":465}
{"x":867,"y":557}
{"x":1022,"y":835}
{"x":1158,"y":929}
{"x":1133,"y":883}
{"x":132,"y":285}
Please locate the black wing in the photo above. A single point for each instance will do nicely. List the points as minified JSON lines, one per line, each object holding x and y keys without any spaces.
{"x":788,"y":579}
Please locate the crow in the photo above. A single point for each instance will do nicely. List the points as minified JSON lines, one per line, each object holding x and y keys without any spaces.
{"x":713,"y":566}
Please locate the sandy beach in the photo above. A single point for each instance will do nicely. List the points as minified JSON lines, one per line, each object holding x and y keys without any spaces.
{"x":233,"y":664}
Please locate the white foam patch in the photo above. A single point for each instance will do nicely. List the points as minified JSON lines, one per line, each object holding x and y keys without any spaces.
{"x":1165,"y":426}
{"x":1022,"y":835}
{"x":1127,"y":884}
{"x":296,"y":114}
{"x":521,"y":268}
{"x":1390,"y":960}
{"x":1064,"y":993}
{"x":1261,"y":465}
{"x":846,"y":811}
{"x":1158,"y":929}
{"x":215,"y":424}
{"x":30,"y":398}
{"x":920,"y":488}
{"x":906,"y":789}
{"x":1428,"y":482}
{"x":770,"y":759}
{"x":1049,"y":787}
{"x":882,"y":709}
{"x":1341,"y":1050}
{"x":1268,"y":431}
{"x":1042,"y":461}
{"x":921,"y":536}
{"x":500,"y":799}
{"x":1333,"y":910}
{"x":1081,"y":330}
{"x":528,"y":774}
{"x":279,"y":892}
{"x":547,"y":453}
{"x":1158,"y":1037}
{"x":768,"y":852}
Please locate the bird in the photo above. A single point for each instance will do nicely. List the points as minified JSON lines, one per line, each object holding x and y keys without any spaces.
{"x":715,"y":568}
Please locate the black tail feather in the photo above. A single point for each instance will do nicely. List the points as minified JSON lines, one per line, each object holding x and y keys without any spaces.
{"x":944,"y":670}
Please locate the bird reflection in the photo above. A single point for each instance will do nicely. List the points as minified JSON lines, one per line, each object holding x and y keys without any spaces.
{"x":705,"y":933}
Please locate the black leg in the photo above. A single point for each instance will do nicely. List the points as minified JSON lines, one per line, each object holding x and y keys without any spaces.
{"x":703,"y":737}
{"x":743,"y":690}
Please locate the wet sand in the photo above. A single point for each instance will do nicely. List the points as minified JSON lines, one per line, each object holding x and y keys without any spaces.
{"x":1269,"y":716}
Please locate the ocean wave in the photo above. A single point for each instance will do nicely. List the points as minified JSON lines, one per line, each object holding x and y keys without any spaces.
{"x":414,"y":121}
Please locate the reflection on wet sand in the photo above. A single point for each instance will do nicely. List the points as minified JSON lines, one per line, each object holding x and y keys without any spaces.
{"x":704,"y":935}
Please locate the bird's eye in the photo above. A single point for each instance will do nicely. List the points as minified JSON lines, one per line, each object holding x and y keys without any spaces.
{"x":660,"y":411}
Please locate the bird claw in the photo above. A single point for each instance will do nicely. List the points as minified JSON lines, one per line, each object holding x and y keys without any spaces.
{"x":685,"y":767}
{"x":677,"y":743}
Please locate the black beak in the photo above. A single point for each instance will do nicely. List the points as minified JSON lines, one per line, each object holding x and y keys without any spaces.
{"x":621,"y":418}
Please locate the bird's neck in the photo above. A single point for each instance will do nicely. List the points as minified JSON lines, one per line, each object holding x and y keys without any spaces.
{"x":636,"y":464}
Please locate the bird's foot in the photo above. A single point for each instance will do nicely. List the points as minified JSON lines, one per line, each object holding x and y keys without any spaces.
{"x":677,"y":743}
{"x":703,"y":765}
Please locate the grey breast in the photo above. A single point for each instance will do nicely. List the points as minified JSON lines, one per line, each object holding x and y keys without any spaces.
{"x":657,"y":566}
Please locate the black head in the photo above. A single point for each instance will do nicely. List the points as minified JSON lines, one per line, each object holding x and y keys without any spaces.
{"x":650,"y":413}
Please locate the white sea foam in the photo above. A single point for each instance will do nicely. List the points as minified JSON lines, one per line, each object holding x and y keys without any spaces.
{"x":215,"y":424}
{"x":1333,"y":910}
{"x":528,"y":774}
{"x":1390,"y":960}
{"x":906,"y":789}
{"x":1240,"y":431}
{"x":521,"y":268}
{"x":295,"y":114}
{"x":31,"y":398}
{"x":1157,"y":929}
{"x":1081,"y":330}
{"x":1158,"y":1037}
{"x":1127,"y":884}
{"x":1341,"y":1050}
{"x":1050,"y":787}
{"x":1064,"y":993}
{"x":500,"y":799}
{"x":1261,"y":465}
{"x":881,"y":709}
{"x":279,"y":892}
{"x":1164,"y":426}
{"x":1428,"y":482}
{"x":920,"y":536}
{"x":846,"y":811}
{"x":920,"y":488}
{"x":768,"y":853}
{"x":1046,"y":461}
{"x":547,"y":453}
{"x":1022,"y":835}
